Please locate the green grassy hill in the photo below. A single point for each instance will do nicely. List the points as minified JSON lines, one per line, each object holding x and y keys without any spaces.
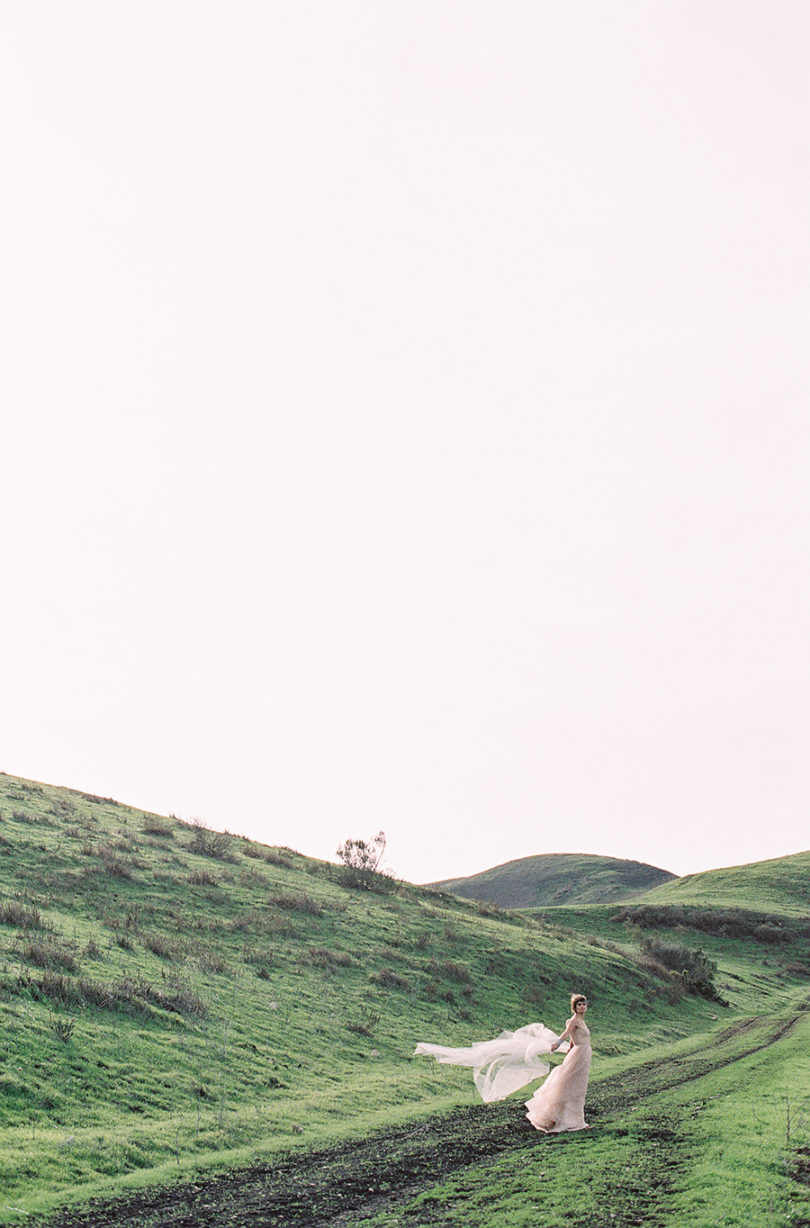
{"x":175,"y":1002}
{"x":558,"y":878}
{"x":781,"y":885}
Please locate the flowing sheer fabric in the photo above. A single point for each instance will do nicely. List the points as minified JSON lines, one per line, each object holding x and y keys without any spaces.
{"x":560,"y":1103}
{"x":503,"y":1065}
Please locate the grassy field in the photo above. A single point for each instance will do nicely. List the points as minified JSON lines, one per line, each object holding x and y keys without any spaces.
{"x":179,"y":1006}
{"x":712,"y":1147}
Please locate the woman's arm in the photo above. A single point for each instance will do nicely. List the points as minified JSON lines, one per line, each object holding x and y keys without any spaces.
{"x":569,"y":1027}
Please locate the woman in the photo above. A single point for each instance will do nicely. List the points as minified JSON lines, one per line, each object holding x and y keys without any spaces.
{"x":560,"y":1103}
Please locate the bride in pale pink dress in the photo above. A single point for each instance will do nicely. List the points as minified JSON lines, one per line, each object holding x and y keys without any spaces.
{"x":502,"y":1066}
{"x":560,"y":1103}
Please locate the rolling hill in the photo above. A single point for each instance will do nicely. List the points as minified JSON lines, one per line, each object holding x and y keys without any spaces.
{"x":169,"y":993}
{"x":178,"y":1003}
{"x":781,"y":884}
{"x":558,"y":878}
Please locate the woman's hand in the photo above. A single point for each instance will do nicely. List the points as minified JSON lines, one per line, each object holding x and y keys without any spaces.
{"x":554,"y":1045}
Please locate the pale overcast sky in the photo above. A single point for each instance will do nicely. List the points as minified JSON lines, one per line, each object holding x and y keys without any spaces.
{"x":405,"y":420}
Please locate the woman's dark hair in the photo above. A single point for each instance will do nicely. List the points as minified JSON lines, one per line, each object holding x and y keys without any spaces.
{"x":576,"y":998}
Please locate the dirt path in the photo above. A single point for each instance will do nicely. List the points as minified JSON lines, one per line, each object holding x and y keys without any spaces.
{"x":342,"y":1185}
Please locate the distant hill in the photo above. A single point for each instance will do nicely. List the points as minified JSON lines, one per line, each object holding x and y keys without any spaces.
{"x":558,"y":878}
{"x":781,"y":884}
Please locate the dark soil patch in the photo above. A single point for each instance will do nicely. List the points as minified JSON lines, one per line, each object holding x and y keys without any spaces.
{"x":316,"y":1187}
{"x":799,"y":1167}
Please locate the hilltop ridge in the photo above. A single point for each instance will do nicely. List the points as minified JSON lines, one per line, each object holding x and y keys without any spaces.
{"x":558,"y":878}
{"x":780,"y":883}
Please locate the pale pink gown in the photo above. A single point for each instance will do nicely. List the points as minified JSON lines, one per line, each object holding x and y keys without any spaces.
{"x":560,"y":1103}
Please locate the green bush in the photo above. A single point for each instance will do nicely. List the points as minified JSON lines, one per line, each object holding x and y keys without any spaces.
{"x":692,"y":965}
{"x":723,"y":922}
{"x":207,"y":843}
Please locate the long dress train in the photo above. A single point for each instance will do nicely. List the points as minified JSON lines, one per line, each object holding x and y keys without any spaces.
{"x":503,"y":1065}
{"x":560,"y":1103}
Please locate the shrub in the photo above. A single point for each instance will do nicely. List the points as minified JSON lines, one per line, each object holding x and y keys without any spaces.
{"x":201,"y":878}
{"x":296,"y":902}
{"x":113,"y":865}
{"x":361,"y":866}
{"x":254,"y":851}
{"x":276,"y":859}
{"x":456,"y":972}
{"x":210,"y":961}
{"x":161,"y":946}
{"x":131,"y":996}
{"x":154,"y":827}
{"x":51,"y":985}
{"x":14,"y":913}
{"x":45,"y":955}
{"x":391,"y":980}
{"x":207,"y":843}
{"x":33,"y":820}
{"x":724,"y":922}
{"x":692,"y":965}
{"x":181,"y":998}
{"x":322,"y":957}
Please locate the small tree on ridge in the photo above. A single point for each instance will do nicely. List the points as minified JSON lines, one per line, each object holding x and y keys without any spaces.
{"x":361,"y":863}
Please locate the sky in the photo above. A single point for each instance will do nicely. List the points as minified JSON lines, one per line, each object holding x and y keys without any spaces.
{"x":405,"y":421}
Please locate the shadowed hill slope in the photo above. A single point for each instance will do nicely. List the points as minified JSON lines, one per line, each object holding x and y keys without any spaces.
{"x":558,"y":878}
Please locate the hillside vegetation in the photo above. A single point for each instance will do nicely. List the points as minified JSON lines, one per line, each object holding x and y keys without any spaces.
{"x":781,"y":885}
{"x":558,"y":878}
{"x":185,"y":1006}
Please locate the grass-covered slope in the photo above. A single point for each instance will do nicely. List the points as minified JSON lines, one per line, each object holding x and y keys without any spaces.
{"x":169,"y":994}
{"x":558,"y":878}
{"x":780,"y":885}
{"x":176,"y":1002}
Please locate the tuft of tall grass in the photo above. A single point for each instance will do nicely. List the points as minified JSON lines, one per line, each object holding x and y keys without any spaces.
{"x":391,"y":980}
{"x":296,"y":901}
{"x":48,"y":955}
{"x":206,"y":843}
{"x":12,"y":912}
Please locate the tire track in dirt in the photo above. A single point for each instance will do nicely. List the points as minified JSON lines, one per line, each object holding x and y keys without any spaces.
{"x":339,"y":1185}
